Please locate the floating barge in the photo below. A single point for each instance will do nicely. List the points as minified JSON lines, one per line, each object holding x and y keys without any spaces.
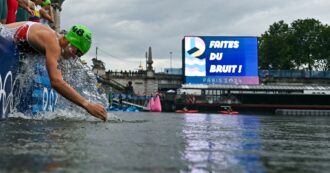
{"x":253,"y":98}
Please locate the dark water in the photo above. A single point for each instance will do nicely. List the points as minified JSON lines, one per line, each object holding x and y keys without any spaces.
{"x":167,"y":142}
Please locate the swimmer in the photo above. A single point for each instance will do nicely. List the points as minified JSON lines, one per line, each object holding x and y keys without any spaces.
{"x":32,"y":37}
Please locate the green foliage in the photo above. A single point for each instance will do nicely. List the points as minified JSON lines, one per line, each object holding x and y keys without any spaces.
{"x":305,"y":44}
{"x":272,"y":45}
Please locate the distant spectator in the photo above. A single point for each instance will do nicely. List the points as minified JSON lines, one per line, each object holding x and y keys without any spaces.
{"x":23,"y":14}
{"x":27,"y":5}
{"x":39,"y":12}
{"x":129,"y":90}
{"x":36,"y":11}
{"x":3,"y":11}
{"x":110,"y":98}
{"x":47,"y":17}
{"x":120,"y":100}
{"x":12,"y":6}
{"x":36,"y":14}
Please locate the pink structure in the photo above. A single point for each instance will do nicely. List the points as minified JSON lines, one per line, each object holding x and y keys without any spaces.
{"x":154,"y":105}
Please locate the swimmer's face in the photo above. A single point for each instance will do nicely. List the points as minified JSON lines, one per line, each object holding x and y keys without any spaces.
{"x":71,"y":52}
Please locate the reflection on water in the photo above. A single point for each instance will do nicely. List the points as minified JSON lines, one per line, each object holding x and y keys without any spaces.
{"x":222,"y":143}
{"x":166,"y":142}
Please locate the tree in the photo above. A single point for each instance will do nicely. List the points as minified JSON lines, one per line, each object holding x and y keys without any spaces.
{"x":305,"y":44}
{"x":304,"y":41}
{"x":324,"y":65}
{"x":273,"y":47}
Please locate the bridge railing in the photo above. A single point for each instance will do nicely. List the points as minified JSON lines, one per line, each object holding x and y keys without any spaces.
{"x":295,"y":74}
{"x":125,"y":74}
{"x":262,"y":73}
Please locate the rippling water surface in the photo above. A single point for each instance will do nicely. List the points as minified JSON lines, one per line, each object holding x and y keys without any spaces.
{"x":166,"y":142}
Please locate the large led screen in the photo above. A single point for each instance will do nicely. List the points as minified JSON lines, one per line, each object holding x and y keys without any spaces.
{"x":220,"y":60}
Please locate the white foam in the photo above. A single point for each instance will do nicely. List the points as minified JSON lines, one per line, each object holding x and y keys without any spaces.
{"x":113,"y":117}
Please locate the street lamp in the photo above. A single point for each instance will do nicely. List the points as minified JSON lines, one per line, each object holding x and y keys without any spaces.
{"x":309,"y":64}
{"x":171,"y":61}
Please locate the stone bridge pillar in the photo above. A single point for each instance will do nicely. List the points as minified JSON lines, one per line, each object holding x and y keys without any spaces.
{"x":57,"y":6}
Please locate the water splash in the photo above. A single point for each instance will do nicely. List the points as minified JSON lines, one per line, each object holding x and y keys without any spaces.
{"x":81,"y":78}
{"x":7,"y":33}
{"x":24,"y":80}
{"x":76,"y":74}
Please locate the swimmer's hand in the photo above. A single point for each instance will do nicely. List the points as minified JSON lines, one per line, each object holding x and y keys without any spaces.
{"x":96,"y":110}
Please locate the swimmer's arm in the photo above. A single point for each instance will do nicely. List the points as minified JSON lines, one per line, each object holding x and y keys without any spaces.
{"x":68,"y":92}
{"x":52,"y":54}
{"x":60,"y":85}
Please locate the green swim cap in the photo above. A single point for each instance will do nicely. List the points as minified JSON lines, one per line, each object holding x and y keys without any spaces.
{"x":45,"y":3}
{"x":80,"y":37}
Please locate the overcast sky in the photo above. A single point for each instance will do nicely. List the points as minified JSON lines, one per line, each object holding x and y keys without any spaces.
{"x":124,"y":29}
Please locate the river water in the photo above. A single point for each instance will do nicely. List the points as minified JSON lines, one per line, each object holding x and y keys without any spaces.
{"x":166,"y":142}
